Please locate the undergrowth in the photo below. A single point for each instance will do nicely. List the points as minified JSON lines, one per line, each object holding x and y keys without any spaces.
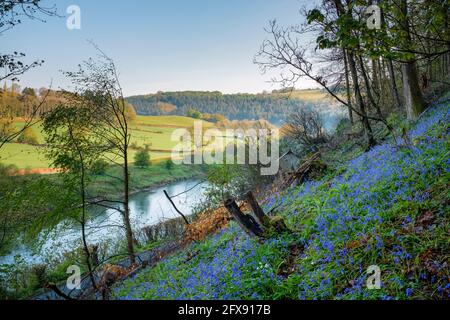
{"x":388,"y":207}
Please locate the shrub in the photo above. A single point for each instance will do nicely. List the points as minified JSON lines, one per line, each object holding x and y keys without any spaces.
{"x":28,"y":136}
{"x":342,"y":126}
{"x":7,"y":170}
{"x":169,"y":164}
{"x":130,"y":112}
{"x":142,"y":158}
{"x":194,"y":114}
{"x":6,"y":128}
{"x":306,"y":128}
{"x":99,"y":167}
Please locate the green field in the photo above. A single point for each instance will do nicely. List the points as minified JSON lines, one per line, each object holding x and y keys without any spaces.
{"x":154,"y":131}
{"x":23,"y":156}
{"x":308,"y":95}
{"x":168,"y":121}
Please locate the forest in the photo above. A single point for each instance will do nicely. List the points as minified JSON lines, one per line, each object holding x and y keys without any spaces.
{"x":272,"y":107}
{"x":356,"y":211}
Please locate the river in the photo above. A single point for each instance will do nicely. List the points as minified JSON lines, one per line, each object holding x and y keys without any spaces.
{"x":146,"y":208}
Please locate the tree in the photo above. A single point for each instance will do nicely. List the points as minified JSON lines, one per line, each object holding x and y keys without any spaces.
{"x":99,"y":167}
{"x":306,"y":128}
{"x":169,"y":164}
{"x":284,"y":51}
{"x":194,"y":114}
{"x":164,"y":108}
{"x":130,"y":112}
{"x":29,"y":92}
{"x":349,"y":51}
{"x":25,"y":206}
{"x":28,"y":136}
{"x":414,"y":102}
{"x":7,"y":130}
{"x":73,"y":147}
{"x":142,"y":158}
{"x":214,"y":105}
{"x":11,"y":13}
{"x":97,"y":86}
{"x":14,"y":65}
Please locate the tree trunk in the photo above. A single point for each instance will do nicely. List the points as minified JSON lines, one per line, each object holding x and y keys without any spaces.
{"x":347,"y":87}
{"x":85,"y":245}
{"x":445,"y":9}
{"x":377,"y":87}
{"x":414,"y":101}
{"x":391,"y":71}
{"x":246,"y":221}
{"x":259,"y":213}
{"x":126,"y":216}
{"x":83,"y":211}
{"x":394,"y":88}
{"x":369,"y":89}
{"x":359,"y":101}
{"x":354,"y":73}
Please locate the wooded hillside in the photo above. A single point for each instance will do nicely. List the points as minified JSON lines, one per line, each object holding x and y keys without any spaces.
{"x":273,"y":107}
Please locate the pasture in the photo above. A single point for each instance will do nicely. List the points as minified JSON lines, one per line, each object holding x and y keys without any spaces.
{"x":153,"y":131}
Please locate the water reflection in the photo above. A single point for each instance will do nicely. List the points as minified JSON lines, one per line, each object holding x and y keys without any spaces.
{"x":146,"y":208}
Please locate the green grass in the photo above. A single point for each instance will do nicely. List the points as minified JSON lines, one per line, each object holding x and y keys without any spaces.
{"x":154,"y":131}
{"x":174,"y":121}
{"x":157,"y":130}
{"x":308,"y":95}
{"x":23,"y":156}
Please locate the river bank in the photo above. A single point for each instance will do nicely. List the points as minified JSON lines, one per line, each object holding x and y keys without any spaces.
{"x":147,"y":208}
{"x":24,"y":192}
{"x":60,"y":247}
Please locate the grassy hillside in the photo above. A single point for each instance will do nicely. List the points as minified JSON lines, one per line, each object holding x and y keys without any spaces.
{"x":307,"y":95}
{"x":23,"y":156}
{"x":168,"y":121}
{"x":388,"y":207}
{"x":153,"y":130}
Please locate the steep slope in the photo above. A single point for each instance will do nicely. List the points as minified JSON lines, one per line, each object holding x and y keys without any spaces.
{"x":388,"y":208}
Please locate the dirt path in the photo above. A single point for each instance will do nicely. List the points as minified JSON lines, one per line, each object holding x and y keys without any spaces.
{"x":22,"y":172}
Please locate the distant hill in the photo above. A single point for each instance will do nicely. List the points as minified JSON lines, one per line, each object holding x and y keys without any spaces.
{"x":307,"y":95}
{"x":274,"y":107}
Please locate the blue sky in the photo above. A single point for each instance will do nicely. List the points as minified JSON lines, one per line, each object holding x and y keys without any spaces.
{"x":167,"y":45}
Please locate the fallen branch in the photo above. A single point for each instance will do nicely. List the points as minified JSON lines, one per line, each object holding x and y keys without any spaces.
{"x":56,"y":290}
{"x":176,"y":209}
{"x":302,"y":172}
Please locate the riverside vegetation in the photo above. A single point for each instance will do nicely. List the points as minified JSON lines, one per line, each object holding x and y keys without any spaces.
{"x":386,"y":207}
{"x":372,"y":192}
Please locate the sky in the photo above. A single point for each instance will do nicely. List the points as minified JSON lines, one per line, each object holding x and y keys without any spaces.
{"x":157,"y":45}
